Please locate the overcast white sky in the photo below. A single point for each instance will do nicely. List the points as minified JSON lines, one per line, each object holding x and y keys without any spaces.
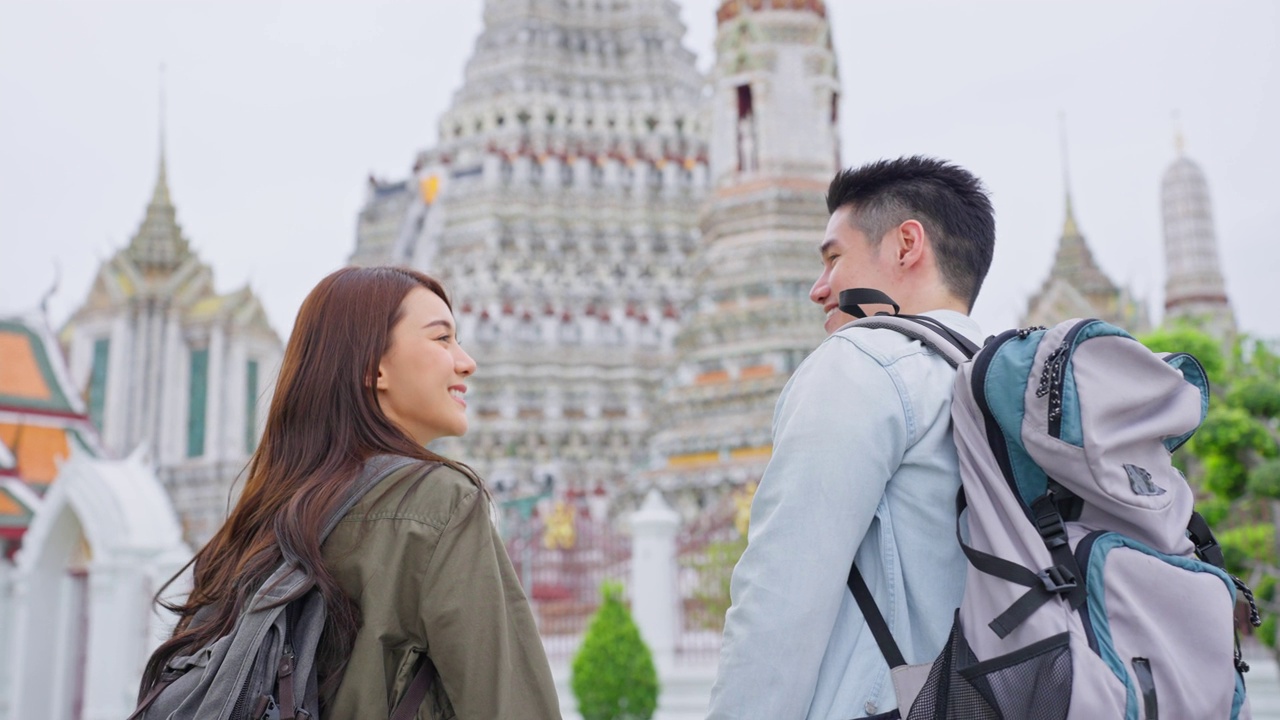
{"x":277,"y":112}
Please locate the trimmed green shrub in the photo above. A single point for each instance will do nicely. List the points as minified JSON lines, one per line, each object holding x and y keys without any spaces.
{"x":613,"y":673}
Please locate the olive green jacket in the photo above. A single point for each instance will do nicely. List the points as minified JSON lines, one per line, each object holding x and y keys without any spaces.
{"x":429,"y":572}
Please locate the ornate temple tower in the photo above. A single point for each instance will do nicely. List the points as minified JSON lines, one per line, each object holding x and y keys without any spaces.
{"x":560,"y":210}
{"x":167,"y":363}
{"x":774,"y":150}
{"x":1194,"y":289}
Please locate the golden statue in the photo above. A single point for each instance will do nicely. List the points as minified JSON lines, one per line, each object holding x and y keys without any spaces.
{"x":560,"y":532}
{"x":742,"y":502}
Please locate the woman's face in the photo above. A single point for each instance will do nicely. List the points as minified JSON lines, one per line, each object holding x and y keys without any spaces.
{"x":421,"y":377}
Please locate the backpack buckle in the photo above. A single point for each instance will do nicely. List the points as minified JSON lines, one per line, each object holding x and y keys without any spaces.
{"x":1052,"y":530}
{"x":1057,"y":579}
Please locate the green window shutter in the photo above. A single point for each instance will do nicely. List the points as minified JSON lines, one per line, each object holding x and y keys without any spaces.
{"x":98,"y":381}
{"x":198,"y":391}
{"x":251,"y":407}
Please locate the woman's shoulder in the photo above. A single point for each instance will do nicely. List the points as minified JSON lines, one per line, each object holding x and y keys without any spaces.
{"x":429,"y":492}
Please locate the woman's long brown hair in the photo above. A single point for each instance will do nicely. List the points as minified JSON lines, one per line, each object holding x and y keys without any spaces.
{"x":324,"y":422}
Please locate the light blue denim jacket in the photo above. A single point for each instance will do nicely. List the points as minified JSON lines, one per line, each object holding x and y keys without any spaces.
{"x":863,"y":462}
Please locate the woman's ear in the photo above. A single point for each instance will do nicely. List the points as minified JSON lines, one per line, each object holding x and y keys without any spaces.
{"x":378,"y":382}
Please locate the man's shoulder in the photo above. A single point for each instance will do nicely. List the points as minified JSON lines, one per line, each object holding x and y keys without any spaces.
{"x":887,"y":347}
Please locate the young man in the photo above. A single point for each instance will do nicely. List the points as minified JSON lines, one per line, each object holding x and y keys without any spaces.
{"x":863,"y":463}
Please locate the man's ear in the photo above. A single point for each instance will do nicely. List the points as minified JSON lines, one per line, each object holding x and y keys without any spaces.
{"x":910,"y":241}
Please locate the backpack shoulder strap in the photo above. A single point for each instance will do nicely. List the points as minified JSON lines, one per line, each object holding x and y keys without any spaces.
{"x":375,"y":470}
{"x":955,"y":349}
{"x":951,"y":345}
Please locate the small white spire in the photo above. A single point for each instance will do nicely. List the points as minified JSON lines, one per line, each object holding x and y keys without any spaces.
{"x":162,"y":110}
{"x":1179,"y":141}
{"x":1069,"y":224}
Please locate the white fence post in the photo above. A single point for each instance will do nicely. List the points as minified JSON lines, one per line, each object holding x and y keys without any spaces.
{"x":654,"y":593}
{"x":7,"y":650}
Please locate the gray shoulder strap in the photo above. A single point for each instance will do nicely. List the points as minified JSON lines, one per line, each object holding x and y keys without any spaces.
{"x":952,"y":346}
{"x":287,"y":579}
{"x":375,"y":470}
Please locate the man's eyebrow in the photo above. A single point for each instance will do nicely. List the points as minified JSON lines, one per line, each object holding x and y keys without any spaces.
{"x":826,"y":246}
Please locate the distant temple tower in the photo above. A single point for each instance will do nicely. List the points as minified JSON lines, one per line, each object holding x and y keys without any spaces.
{"x":166,"y":361}
{"x":560,"y":210}
{"x":774,"y":149}
{"x":1077,"y":287}
{"x":1194,"y":288}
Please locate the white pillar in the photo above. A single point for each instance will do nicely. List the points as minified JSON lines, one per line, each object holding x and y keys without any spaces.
{"x":116,"y":402}
{"x":115,"y":642}
{"x":170,"y":447}
{"x":654,"y":593}
{"x":215,"y":389}
{"x":7,"y":648}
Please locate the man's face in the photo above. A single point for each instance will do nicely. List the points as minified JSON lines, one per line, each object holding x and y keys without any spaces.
{"x":849,"y":261}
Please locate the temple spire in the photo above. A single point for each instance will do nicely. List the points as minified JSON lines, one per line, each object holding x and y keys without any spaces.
{"x":1069,"y":227}
{"x":159,"y":245}
{"x":160,"y":196}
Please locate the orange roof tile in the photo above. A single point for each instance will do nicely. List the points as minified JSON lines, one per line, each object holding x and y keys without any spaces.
{"x":20,"y":374}
{"x":13,"y":512}
{"x":9,"y":506}
{"x":37,"y":448}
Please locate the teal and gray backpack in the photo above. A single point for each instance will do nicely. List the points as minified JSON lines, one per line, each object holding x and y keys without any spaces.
{"x":1093,"y":589}
{"x":264,"y":669}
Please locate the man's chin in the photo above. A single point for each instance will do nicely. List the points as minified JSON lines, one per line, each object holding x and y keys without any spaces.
{"x":836,"y":321}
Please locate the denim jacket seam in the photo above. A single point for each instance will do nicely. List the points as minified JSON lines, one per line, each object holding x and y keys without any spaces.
{"x":908,"y":410}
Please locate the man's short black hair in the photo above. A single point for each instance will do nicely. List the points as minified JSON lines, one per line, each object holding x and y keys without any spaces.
{"x":946,"y":199}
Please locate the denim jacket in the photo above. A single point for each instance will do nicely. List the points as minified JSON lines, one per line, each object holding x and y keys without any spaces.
{"x":863,"y":466}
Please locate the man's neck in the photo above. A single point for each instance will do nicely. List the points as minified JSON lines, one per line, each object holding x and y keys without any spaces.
{"x":924,"y":305}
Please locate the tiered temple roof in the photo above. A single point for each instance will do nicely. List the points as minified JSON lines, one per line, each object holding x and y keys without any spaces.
{"x":1078,"y":288}
{"x":42,"y":417}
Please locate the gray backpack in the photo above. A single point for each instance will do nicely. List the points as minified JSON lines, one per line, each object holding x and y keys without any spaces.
{"x":264,"y":669}
{"x":1093,"y":589}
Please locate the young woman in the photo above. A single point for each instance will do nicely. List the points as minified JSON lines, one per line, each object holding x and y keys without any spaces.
{"x":416,"y":569}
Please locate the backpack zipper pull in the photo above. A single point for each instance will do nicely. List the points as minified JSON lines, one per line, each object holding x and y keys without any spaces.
{"x":1055,"y":367}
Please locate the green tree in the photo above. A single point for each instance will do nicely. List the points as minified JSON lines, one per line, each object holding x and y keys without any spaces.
{"x":714,"y":570}
{"x":613,"y":673}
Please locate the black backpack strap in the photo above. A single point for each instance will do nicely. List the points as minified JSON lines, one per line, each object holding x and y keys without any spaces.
{"x":948,"y":343}
{"x":851,"y":301}
{"x":1059,"y":580}
{"x":1207,"y":547}
{"x":407,"y":708}
{"x":875,"y":621}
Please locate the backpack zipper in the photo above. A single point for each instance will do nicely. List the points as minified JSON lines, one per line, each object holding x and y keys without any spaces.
{"x":1169,"y":360}
{"x":1083,"y":550}
{"x":1053,"y":376}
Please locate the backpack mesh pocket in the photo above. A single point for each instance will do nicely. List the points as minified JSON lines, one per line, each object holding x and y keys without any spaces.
{"x":1032,"y":683}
